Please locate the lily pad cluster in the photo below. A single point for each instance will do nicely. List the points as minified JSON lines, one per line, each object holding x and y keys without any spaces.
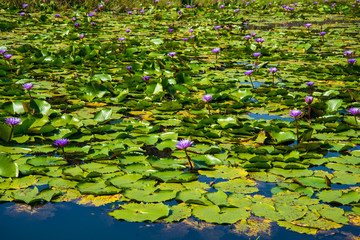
{"x":260,"y":92}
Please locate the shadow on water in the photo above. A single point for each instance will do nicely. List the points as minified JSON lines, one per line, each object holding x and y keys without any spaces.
{"x":258,"y":116}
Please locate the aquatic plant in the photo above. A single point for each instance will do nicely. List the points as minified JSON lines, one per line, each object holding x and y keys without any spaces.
{"x":184,"y":144}
{"x":296,"y":113}
{"x":12,"y":122}
{"x":61,"y":143}
{"x":207,"y":98}
{"x":248,"y":73}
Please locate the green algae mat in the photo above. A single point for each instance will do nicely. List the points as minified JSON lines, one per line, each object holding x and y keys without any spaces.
{"x":235,"y":113}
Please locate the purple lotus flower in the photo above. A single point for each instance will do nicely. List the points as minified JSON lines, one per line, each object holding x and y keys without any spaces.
{"x":249,"y":72}
{"x":141,"y":11}
{"x":217,"y":27}
{"x":171,"y":54}
{"x":322,"y":33}
{"x":191,"y":30}
{"x":57,"y":15}
{"x":8,"y":56}
{"x":295,"y":4}
{"x":273,"y":70}
{"x":61,"y":142}
{"x":95,"y":10}
{"x":315,"y":3}
{"x":129,"y":68}
{"x":77,"y":24}
{"x":350,"y":61}
{"x":270,"y":4}
{"x":13,"y":121}
{"x":291,"y":9}
{"x":333,"y":5}
{"x":253,"y":34}
{"x":74,"y":19}
{"x":93,"y":23}
{"x":309,"y":99}
{"x":308,"y":25}
{"x":257,"y":54}
{"x":247,"y":37}
{"x":216,"y":50}
{"x":283,"y":6}
{"x":354,"y":110}
{"x":260,"y":40}
{"x":348,"y":53}
{"x":295,"y":113}
{"x":25,"y":5}
{"x":127,"y":30}
{"x":146,"y":78}
{"x":91,"y":14}
{"x":2,"y":51}
{"x":22,"y":14}
{"x":183,"y":144}
{"x":237,"y":10}
{"x":170,"y":29}
{"x":192,"y":36}
{"x":121,"y":39}
{"x":184,"y":39}
{"x":221,"y":6}
{"x":100,"y":6}
{"x":130,"y":12}
{"x":81,"y":36}
{"x":207,"y":98}
{"x":28,"y":86}
{"x":310,"y":84}
{"x":179,"y":12}
{"x":247,"y":3}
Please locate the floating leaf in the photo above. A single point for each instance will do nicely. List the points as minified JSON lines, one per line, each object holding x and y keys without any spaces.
{"x":139,"y":212}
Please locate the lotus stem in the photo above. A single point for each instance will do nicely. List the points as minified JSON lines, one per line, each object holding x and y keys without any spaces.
{"x":208,"y":105}
{"x":251,"y":82}
{"x":355,"y":120}
{"x":189,"y":159}
{"x":63,"y":153}
{"x":12,"y":129}
{"x":297,"y":131}
{"x":309,"y":110}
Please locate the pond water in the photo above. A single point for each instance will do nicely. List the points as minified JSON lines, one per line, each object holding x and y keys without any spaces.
{"x":71,"y":221}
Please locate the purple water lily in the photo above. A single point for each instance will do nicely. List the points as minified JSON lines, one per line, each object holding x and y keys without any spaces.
{"x":348,"y":53}
{"x":91,"y":14}
{"x":216,"y":50}
{"x":322,"y":33}
{"x":77,"y":24}
{"x":2,"y":51}
{"x":25,"y":5}
{"x":309,"y":99}
{"x":308,"y":25}
{"x":172,"y":54}
{"x":57,"y":15}
{"x":257,"y":54}
{"x":236,"y":10}
{"x":81,"y":36}
{"x":221,"y":6}
{"x":184,"y":144}
{"x":27,"y":86}
{"x":22,"y":14}
{"x":247,"y":37}
{"x":121,"y":39}
{"x":61,"y":143}
{"x":146,"y":78}
{"x":129,"y":68}
{"x":217,"y":27}
{"x":354,"y":111}
{"x":260,"y":40}
{"x":253,"y":34}
{"x":127,"y":30}
{"x":207,"y":97}
{"x":12,"y":122}
{"x":170,"y":29}
{"x":129,"y":12}
{"x":248,"y":73}
{"x":296,"y":114}
{"x":93,"y":23}
{"x":73,"y":19}
{"x":184,"y":39}
{"x":191,"y":30}
{"x":350,"y":61}
{"x":141,"y":11}
{"x":273,"y":71}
